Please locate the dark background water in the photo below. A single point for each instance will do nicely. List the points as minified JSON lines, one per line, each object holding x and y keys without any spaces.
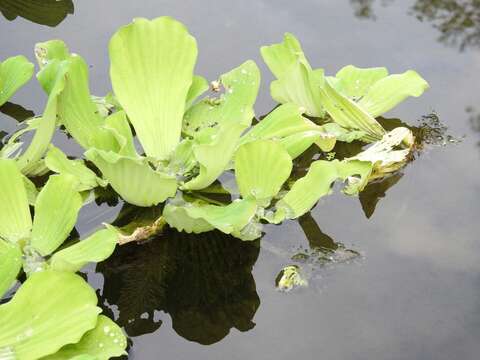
{"x":415,"y":291}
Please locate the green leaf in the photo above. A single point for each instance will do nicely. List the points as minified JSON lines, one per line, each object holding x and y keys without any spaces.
{"x":118,"y":125}
{"x":10,"y":265}
{"x":356,"y":82}
{"x":198,"y":217}
{"x":134,"y":179}
{"x":95,"y":248}
{"x":152,"y":70}
{"x":51,"y":78}
{"x":58,"y":162}
{"x":51,"y":50}
{"x":77,"y":111}
{"x":50,"y":310}
{"x":342,"y":134}
{"x":15,"y":219}
{"x":261,"y":168}
{"x":103,"y":342}
{"x":388,"y":92}
{"x":56,"y":212}
{"x":306,"y":191}
{"x":296,"y":83}
{"x":198,"y":87}
{"x":348,"y":114}
{"x":14,"y":73}
{"x":222,"y":124}
{"x":284,"y":121}
{"x":31,"y":189}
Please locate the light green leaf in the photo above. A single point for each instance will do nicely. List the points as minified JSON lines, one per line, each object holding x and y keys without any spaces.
{"x":10,"y":265}
{"x":56,"y":211}
{"x":51,"y":78}
{"x":342,"y":134}
{"x":284,"y":121}
{"x":198,"y":87}
{"x":222,"y":124}
{"x":134,"y":179}
{"x":235,"y":105}
{"x":15,"y":219}
{"x":95,"y":248}
{"x":77,"y":111}
{"x":388,"y":92}
{"x":213,"y":154}
{"x":103,"y":342}
{"x":14,"y":73}
{"x":51,"y":50}
{"x":50,"y":310}
{"x":200,"y":217}
{"x":297,"y":143}
{"x":261,"y":168}
{"x":296,"y":83}
{"x":152,"y":70}
{"x":119,"y":127}
{"x":348,"y":114}
{"x":306,"y":191}
{"x":356,"y":82}
{"x":58,"y":162}
{"x":31,"y":189}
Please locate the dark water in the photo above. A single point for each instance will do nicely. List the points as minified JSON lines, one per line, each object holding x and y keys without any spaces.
{"x":415,"y":291}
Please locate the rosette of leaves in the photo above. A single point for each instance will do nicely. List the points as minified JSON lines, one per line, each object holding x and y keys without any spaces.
{"x":352,"y":99}
{"x":152,"y":65}
{"x":54,"y":307}
{"x":261,"y":169}
{"x":187,"y":143}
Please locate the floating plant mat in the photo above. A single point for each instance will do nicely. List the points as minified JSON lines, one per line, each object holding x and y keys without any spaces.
{"x":197,"y":177}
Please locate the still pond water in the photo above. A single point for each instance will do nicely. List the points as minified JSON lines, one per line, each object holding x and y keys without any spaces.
{"x":413,"y":292}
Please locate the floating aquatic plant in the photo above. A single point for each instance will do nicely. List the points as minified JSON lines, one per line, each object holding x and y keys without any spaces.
{"x":187,"y":140}
{"x":32,"y":329}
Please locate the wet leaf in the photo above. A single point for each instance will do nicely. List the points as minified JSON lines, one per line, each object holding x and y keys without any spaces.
{"x":222,"y":124}
{"x":103,"y":342}
{"x":261,"y":168}
{"x":35,"y":323}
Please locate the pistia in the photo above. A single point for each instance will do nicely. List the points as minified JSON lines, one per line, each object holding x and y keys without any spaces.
{"x":186,"y":139}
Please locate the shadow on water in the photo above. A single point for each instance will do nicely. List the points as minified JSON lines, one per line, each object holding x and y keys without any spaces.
{"x":43,"y":12}
{"x":458,"y":21}
{"x":16,"y":112}
{"x":204,"y":282}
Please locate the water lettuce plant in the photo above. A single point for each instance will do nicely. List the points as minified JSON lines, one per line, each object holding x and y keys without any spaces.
{"x":32,"y":329}
{"x":185,"y":143}
{"x":166,"y":145}
{"x":352,"y":99}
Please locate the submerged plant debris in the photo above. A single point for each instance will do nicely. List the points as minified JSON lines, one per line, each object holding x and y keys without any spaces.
{"x":163,"y":143}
